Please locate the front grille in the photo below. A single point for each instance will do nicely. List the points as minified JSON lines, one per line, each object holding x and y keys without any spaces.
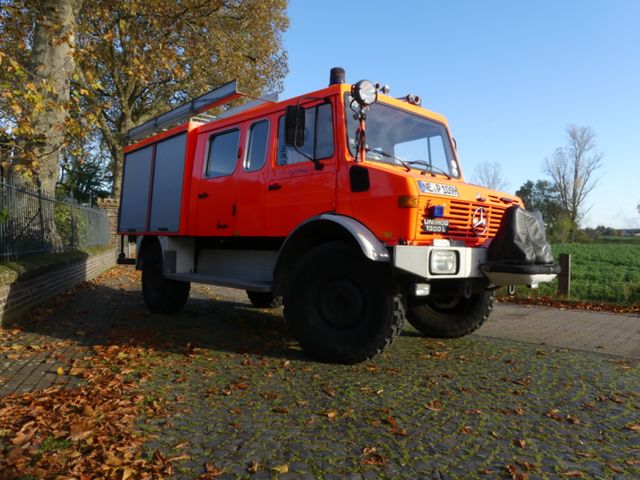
{"x":459,"y":213}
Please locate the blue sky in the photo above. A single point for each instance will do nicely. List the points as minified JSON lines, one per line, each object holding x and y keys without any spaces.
{"x":508,"y":75}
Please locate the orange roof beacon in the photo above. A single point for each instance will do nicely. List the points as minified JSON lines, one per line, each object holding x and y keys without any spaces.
{"x":346,"y":204}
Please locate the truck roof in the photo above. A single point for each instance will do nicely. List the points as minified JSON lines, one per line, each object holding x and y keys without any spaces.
{"x":247,"y":111}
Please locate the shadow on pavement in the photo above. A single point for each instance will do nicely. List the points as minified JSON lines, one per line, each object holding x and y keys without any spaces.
{"x":97,"y":314}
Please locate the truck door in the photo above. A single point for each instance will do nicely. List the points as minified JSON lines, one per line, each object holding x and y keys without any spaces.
{"x":296,"y":190}
{"x":216,"y":189}
{"x":252,"y":178}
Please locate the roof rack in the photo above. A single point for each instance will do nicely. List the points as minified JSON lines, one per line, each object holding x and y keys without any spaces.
{"x":196,"y":109}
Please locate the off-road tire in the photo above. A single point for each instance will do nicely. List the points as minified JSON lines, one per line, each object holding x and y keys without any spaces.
{"x":264,"y":299}
{"x":451,"y":317}
{"x":340,"y":306}
{"x":160,"y":294}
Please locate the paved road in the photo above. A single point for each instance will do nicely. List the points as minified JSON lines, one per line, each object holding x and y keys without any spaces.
{"x":246,"y":399}
{"x":608,"y":333}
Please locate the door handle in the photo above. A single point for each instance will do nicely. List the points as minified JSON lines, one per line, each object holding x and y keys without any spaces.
{"x":274,"y":186}
{"x":222,"y":225}
{"x":203,"y":195}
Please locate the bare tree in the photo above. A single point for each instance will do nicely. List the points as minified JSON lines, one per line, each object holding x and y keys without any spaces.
{"x":489,"y":175}
{"x":572,"y":169}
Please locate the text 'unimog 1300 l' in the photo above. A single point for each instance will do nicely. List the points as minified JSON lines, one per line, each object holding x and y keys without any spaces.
{"x":347,"y":204}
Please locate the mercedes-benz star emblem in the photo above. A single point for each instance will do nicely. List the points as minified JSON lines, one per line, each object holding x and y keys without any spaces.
{"x":479,"y":222}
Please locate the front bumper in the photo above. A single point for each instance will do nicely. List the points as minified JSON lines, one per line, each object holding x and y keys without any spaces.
{"x":414,"y":259}
{"x":472,"y":263}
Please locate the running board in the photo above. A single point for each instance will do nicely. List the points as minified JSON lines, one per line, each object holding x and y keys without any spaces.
{"x":221,"y":281}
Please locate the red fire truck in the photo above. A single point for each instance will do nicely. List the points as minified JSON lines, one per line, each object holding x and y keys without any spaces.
{"x":347,"y":204}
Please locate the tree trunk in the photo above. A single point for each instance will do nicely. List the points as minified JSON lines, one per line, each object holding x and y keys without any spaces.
{"x":52,"y":66}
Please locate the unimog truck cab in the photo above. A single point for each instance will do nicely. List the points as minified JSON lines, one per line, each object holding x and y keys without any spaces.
{"x":346,"y":204}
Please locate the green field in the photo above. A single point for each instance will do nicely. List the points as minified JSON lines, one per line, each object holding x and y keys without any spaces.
{"x":602,"y":272}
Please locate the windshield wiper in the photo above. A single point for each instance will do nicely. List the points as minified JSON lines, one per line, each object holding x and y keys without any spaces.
{"x":432,"y":168}
{"x":407,"y":163}
{"x":404,"y":163}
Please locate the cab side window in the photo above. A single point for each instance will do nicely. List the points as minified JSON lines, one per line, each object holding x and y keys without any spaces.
{"x":223,"y":153}
{"x":318,"y":137}
{"x":257,"y":146}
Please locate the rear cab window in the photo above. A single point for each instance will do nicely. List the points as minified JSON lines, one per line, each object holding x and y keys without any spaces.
{"x":257,"y":146}
{"x":223,"y":153}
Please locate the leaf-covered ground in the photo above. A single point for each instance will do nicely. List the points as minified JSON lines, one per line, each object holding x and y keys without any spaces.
{"x":220,"y":391}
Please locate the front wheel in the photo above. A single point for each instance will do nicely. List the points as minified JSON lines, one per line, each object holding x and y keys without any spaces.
{"x":340,"y":306}
{"x":451,"y":317}
{"x":160,"y":294}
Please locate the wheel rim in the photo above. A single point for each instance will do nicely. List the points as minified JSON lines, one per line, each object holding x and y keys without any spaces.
{"x":340,"y":304}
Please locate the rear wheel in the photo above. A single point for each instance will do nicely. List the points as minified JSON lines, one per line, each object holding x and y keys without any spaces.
{"x":451,"y":317}
{"x":263,"y":299}
{"x":160,"y":294}
{"x":340,"y":306}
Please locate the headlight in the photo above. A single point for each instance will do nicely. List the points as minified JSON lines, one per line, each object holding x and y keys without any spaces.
{"x":364,"y":92}
{"x":443,"y":262}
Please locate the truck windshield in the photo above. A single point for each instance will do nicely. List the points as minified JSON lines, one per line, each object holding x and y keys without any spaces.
{"x":402,"y":138}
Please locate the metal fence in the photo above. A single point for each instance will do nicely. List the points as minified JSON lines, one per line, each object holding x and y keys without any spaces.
{"x":34,"y":222}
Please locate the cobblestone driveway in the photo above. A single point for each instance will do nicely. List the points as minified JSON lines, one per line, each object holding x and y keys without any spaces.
{"x":243,"y":398}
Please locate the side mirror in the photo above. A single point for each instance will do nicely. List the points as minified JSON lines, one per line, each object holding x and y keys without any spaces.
{"x":294,"y":126}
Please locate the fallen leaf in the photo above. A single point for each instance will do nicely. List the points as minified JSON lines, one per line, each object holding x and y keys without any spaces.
{"x":515,"y":473}
{"x":253,"y":467}
{"x":372,"y":457}
{"x":585,"y":454}
{"x":113,"y":461}
{"x":635,"y":427}
{"x":284,"y":468}
{"x":434,"y":405}
{"x":573,"y":473}
{"x":179,"y":458}
{"x":60,"y":371}
{"x":127,"y":473}
{"x":520,"y":442}
{"x":281,"y":410}
{"x":211,"y":471}
{"x":80,"y":431}
{"x":234,"y":411}
{"x":329,"y":391}
{"x":573,"y":420}
{"x":529,"y":467}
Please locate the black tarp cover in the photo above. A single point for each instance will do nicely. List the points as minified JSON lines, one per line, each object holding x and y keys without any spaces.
{"x":520,"y":239}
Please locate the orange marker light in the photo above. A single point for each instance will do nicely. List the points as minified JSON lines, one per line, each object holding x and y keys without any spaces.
{"x":408,"y":201}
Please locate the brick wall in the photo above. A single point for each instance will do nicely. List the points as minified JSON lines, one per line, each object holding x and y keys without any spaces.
{"x":17,"y":298}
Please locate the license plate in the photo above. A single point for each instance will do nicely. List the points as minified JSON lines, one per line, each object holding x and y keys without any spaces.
{"x":438,"y":188}
{"x":435,"y":225}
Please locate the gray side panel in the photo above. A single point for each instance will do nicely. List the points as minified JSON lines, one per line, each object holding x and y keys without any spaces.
{"x":168,"y":173}
{"x":135,"y":190}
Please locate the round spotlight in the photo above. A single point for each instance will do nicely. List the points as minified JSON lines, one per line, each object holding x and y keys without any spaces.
{"x":364,"y":92}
